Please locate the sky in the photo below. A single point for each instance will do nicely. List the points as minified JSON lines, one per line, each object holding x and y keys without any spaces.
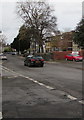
{"x":68,"y":13}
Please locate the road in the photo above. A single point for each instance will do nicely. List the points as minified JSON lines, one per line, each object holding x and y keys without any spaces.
{"x":52,"y":91}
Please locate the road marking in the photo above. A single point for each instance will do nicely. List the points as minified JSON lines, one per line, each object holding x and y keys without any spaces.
{"x":12,"y":77}
{"x":0,"y":115}
{"x":74,"y":98}
{"x":40,"y":84}
{"x":25,"y":77}
{"x":81,"y":101}
{"x":48,"y":87}
{"x":35,"y":81}
{"x":71,"y":97}
{"x":10,"y":70}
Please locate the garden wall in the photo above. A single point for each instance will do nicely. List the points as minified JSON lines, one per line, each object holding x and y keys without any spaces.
{"x":60,"y":55}
{"x":81,"y":53}
{"x":57,"y":55}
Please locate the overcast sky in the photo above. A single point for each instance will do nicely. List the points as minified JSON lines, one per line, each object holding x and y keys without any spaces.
{"x":68,"y":13}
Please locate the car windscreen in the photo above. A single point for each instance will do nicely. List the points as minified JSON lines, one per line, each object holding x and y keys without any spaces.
{"x":76,"y":55}
{"x":37,"y":57}
{"x":2,"y":55}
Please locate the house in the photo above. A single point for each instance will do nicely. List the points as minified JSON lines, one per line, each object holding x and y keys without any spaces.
{"x":75,"y":47}
{"x":60,"y":42}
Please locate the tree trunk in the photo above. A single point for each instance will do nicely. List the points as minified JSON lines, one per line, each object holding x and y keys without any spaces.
{"x":35,"y":46}
{"x":39,"y":49}
{"x":42,"y":50}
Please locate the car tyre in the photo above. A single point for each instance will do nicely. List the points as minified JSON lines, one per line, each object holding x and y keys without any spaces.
{"x":29,"y":64}
{"x":74,"y":60}
{"x":41,"y":65}
{"x":24,"y":64}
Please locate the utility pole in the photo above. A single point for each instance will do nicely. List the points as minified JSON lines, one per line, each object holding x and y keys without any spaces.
{"x":83,"y":10}
{"x":1,"y":79}
{"x":0,"y":42}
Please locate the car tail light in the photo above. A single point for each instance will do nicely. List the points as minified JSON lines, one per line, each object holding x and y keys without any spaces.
{"x":32,"y":60}
{"x":42,"y":59}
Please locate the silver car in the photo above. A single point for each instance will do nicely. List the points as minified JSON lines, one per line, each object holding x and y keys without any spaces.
{"x":3,"y":56}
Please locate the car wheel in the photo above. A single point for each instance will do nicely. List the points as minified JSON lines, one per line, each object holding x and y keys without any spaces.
{"x":74,"y":60}
{"x":82,"y":60}
{"x":41,"y":65}
{"x":29,"y":64}
{"x":24,"y":64}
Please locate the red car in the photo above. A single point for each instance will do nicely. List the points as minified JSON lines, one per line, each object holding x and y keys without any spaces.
{"x":75,"y":57}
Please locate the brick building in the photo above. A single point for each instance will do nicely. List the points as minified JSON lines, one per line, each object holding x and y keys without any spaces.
{"x":60,"y":42}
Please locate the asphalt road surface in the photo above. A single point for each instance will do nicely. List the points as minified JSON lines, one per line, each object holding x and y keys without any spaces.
{"x":52,"y":91}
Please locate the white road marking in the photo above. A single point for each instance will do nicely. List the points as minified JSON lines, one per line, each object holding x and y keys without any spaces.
{"x":74,"y":98}
{"x":41,"y":84}
{"x":81,"y":101}
{"x":35,"y":81}
{"x":48,"y":87}
{"x":25,"y":77}
{"x":0,"y":115}
{"x":10,"y":70}
{"x":71,"y":97}
{"x":12,"y":77}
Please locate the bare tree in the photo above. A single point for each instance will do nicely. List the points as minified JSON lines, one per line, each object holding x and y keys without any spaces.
{"x":2,"y":41}
{"x":38,"y":16}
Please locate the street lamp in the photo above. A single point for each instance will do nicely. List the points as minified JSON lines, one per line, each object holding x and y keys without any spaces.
{"x":0,"y":42}
{"x":1,"y":79}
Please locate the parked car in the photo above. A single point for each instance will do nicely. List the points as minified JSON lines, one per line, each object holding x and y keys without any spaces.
{"x":3,"y":56}
{"x":31,"y":60}
{"x":13,"y":53}
{"x":74,"y":57}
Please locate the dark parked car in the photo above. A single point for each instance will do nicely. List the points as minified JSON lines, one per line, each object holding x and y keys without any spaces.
{"x":34,"y":61}
{"x":75,"y":57}
{"x":13,"y":53}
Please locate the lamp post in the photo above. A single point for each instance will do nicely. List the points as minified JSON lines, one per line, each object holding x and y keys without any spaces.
{"x":0,"y":41}
{"x":1,"y":79}
{"x":83,"y":10}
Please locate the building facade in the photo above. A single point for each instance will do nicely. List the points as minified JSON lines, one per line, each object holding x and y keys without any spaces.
{"x":61,"y":42}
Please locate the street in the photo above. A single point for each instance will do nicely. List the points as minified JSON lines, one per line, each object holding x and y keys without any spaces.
{"x":52,"y":91}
